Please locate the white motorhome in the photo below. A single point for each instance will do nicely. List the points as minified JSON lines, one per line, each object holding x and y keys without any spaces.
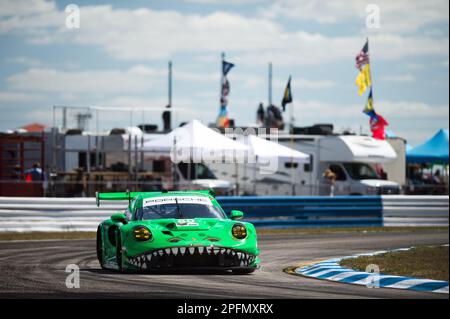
{"x":352,"y":159}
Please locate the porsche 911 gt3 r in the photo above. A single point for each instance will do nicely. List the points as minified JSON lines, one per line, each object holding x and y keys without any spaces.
{"x":173,"y":230}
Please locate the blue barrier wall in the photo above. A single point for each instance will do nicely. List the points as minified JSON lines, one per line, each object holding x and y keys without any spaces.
{"x":299,"y":211}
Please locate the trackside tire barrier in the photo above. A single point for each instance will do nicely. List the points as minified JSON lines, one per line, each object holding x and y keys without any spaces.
{"x":21,"y":214}
{"x":331,"y":270}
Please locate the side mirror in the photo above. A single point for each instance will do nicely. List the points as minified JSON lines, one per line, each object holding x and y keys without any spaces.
{"x":119,"y":218}
{"x":236,"y":214}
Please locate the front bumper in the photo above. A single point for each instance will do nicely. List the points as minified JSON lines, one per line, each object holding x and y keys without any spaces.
{"x":194,"y":257}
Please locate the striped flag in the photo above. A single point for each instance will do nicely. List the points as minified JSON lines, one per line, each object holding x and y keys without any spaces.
{"x":364,"y":78}
{"x":223,"y":119}
{"x":369,"y":109}
{"x":363,"y":56}
{"x":377,"y":122}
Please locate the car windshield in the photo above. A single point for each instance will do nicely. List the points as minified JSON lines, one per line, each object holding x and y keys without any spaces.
{"x":178,"y":208}
{"x":360,"y":171}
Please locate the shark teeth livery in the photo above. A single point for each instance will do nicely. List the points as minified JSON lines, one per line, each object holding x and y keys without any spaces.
{"x":175,"y":230}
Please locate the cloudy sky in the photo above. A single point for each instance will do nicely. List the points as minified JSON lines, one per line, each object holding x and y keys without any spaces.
{"x":118,"y":59}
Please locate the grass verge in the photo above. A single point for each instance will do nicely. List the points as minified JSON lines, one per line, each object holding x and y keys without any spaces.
{"x":305,"y":231}
{"x":420,"y":262}
{"x":337,"y":230}
{"x":45,"y":235}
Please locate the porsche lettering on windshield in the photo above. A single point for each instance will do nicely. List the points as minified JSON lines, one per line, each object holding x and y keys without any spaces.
{"x":174,"y":199}
{"x":178,"y":207}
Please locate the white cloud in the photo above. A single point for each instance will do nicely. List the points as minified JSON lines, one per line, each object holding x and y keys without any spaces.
{"x":24,"y":61}
{"x":318,"y":110}
{"x":34,"y":17}
{"x":16,"y":119}
{"x":150,"y":34}
{"x":401,"y":78}
{"x":299,"y":84}
{"x":224,"y":2}
{"x":404,"y":109}
{"x":25,"y":7}
{"x":10,"y":97}
{"x":395,"y":16}
{"x":415,"y":66}
{"x":304,"y":48}
{"x":135,"y":79}
{"x":398,"y":113}
{"x":69,"y":84}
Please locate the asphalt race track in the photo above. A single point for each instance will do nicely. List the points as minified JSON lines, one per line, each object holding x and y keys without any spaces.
{"x":36,"y":269}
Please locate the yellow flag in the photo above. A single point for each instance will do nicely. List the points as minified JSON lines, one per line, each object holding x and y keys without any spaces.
{"x":363,"y":80}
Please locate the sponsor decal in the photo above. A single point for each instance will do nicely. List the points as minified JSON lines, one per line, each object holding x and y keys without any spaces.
{"x":186,"y":223}
{"x":163,"y":200}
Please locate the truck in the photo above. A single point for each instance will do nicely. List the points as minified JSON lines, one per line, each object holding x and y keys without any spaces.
{"x":352,"y":158}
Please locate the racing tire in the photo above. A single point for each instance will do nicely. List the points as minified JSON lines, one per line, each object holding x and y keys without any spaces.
{"x":99,"y":247}
{"x":243,"y":271}
{"x":119,"y":256}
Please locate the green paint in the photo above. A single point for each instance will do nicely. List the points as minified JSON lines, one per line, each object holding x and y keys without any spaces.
{"x":183,"y":242}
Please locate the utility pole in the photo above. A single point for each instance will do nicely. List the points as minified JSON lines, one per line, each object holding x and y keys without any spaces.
{"x":221,"y":80}
{"x":270,"y":85}
{"x":64,"y":125}
{"x":167,"y":114}
{"x":170,"y":85}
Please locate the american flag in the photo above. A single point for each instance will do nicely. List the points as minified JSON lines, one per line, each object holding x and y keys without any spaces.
{"x":363,"y":56}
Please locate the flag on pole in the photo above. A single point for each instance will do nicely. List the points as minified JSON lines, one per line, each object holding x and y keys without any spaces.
{"x":364,"y":81}
{"x":362,"y":58}
{"x":369,"y":109}
{"x":364,"y":78}
{"x":223,"y":119}
{"x":377,"y":122}
{"x":226,"y":67}
{"x":287,"y":96}
{"x":377,"y":126}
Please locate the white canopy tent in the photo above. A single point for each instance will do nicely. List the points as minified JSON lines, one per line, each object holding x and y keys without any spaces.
{"x":267,"y":154}
{"x":265,"y":150}
{"x":196,"y":142}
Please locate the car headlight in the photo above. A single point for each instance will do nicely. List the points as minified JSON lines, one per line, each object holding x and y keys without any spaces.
{"x":239,"y":231}
{"x":142,"y":233}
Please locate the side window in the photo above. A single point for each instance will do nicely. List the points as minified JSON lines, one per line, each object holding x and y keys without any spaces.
{"x":130,"y":209}
{"x":128,"y":213}
{"x":292,"y":165}
{"x":340,"y":174}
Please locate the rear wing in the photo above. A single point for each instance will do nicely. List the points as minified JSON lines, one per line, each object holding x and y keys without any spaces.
{"x":115,"y":196}
{"x":130,"y":195}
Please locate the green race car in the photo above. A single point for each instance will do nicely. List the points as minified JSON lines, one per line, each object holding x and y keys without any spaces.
{"x":175,"y":230}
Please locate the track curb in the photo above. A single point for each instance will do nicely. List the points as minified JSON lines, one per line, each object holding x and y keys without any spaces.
{"x":330,"y":270}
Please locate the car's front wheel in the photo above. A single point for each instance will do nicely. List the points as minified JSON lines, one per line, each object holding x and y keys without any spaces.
{"x":243,"y":271}
{"x":100,"y":248}
{"x":119,"y":256}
